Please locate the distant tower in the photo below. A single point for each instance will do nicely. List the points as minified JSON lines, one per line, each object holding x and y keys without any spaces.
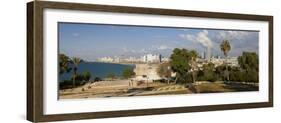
{"x":160,"y":58}
{"x":205,"y":55}
{"x":208,"y":54}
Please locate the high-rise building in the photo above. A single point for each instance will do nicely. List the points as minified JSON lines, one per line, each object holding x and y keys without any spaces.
{"x":151,"y":58}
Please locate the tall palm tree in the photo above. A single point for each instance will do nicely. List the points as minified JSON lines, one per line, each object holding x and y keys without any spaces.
{"x":225,"y":48}
{"x":76,"y":61}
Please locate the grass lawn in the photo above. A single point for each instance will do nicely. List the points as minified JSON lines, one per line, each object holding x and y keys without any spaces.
{"x":222,"y":87}
{"x":155,"y":88}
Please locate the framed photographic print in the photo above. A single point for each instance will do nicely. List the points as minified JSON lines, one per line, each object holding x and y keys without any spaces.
{"x":96,"y":61}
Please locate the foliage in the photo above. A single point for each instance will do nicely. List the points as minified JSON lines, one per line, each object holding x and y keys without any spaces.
{"x":66,"y":84}
{"x":252,"y":75}
{"x":249,"y":62}
{"x":84,"y":77}
{"x":247,"y":72}
{"x":222,"y":72}
{"x":207,"y":73}
{"x":78,"y":78}
{"x":75,"y":61}
{"x":64,"y":64}
{"x":225,"y":47}
{"x":237,"y":74}
{"x":128,"y":73}
{"x":111,"y":76}
{"x":87,"y":75}
{"x":180,"y":63}
{"x":97,"y":79}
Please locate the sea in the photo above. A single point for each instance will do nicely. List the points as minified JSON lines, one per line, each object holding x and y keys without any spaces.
{"x":98,"y":69}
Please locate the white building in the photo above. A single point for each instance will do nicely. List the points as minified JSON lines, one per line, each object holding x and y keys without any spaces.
{"x":151,"y":58}
{"x":148,"y":58}
{"x":231,"y":61}
{"x":116,"y":59}
{"x":105,"y":59}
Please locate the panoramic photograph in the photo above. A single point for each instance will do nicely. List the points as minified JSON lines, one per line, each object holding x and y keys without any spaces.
{"x":105,"y":60}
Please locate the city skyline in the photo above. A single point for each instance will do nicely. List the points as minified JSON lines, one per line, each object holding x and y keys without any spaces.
{"x":92,"y":41}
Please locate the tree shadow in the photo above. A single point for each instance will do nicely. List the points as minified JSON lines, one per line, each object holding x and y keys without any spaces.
{"x":240,"y":86}
{"x":192,"y":88}
{"x":140,"y":89}
{"x":135,"y":91}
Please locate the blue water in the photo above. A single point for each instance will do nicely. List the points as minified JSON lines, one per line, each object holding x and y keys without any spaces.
{"x":97,"y":69}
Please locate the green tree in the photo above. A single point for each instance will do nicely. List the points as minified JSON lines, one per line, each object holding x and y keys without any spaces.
{"x":250,"y":63}
{"x":225,"y":48}
{"x":237,"y":74}
{"x":181,"y":63}
{"x":248,"y":60}
{"x":165,"y":71}
{"x":87,"y":76}
{"x":219,"y":71}
{"x":208,"y":73}
{"x":64,"y":64}
{"x":79,"y":79}
{"x":128,"y":73}
{"x":222,"y":72}
{"x":208,"y":70}
{"x":76,"y":61}
{"x":111,"y":76}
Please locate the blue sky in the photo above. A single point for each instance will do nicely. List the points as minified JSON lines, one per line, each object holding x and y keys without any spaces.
{"x":90,"y":41}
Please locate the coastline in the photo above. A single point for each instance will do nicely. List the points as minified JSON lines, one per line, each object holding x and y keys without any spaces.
{"x":119,"y":63}
{"x":99,"y":69}
{"x":123,"y":63}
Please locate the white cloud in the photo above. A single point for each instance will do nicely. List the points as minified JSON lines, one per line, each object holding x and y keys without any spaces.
{"x":188,"y":37}
{"x":201,"y":37}
{"x":233,"y":35}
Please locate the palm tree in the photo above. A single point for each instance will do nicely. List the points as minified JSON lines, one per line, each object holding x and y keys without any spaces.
{"x":76,"y":61}
{"x":225,"y":48}
{"x":64,"y":63}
